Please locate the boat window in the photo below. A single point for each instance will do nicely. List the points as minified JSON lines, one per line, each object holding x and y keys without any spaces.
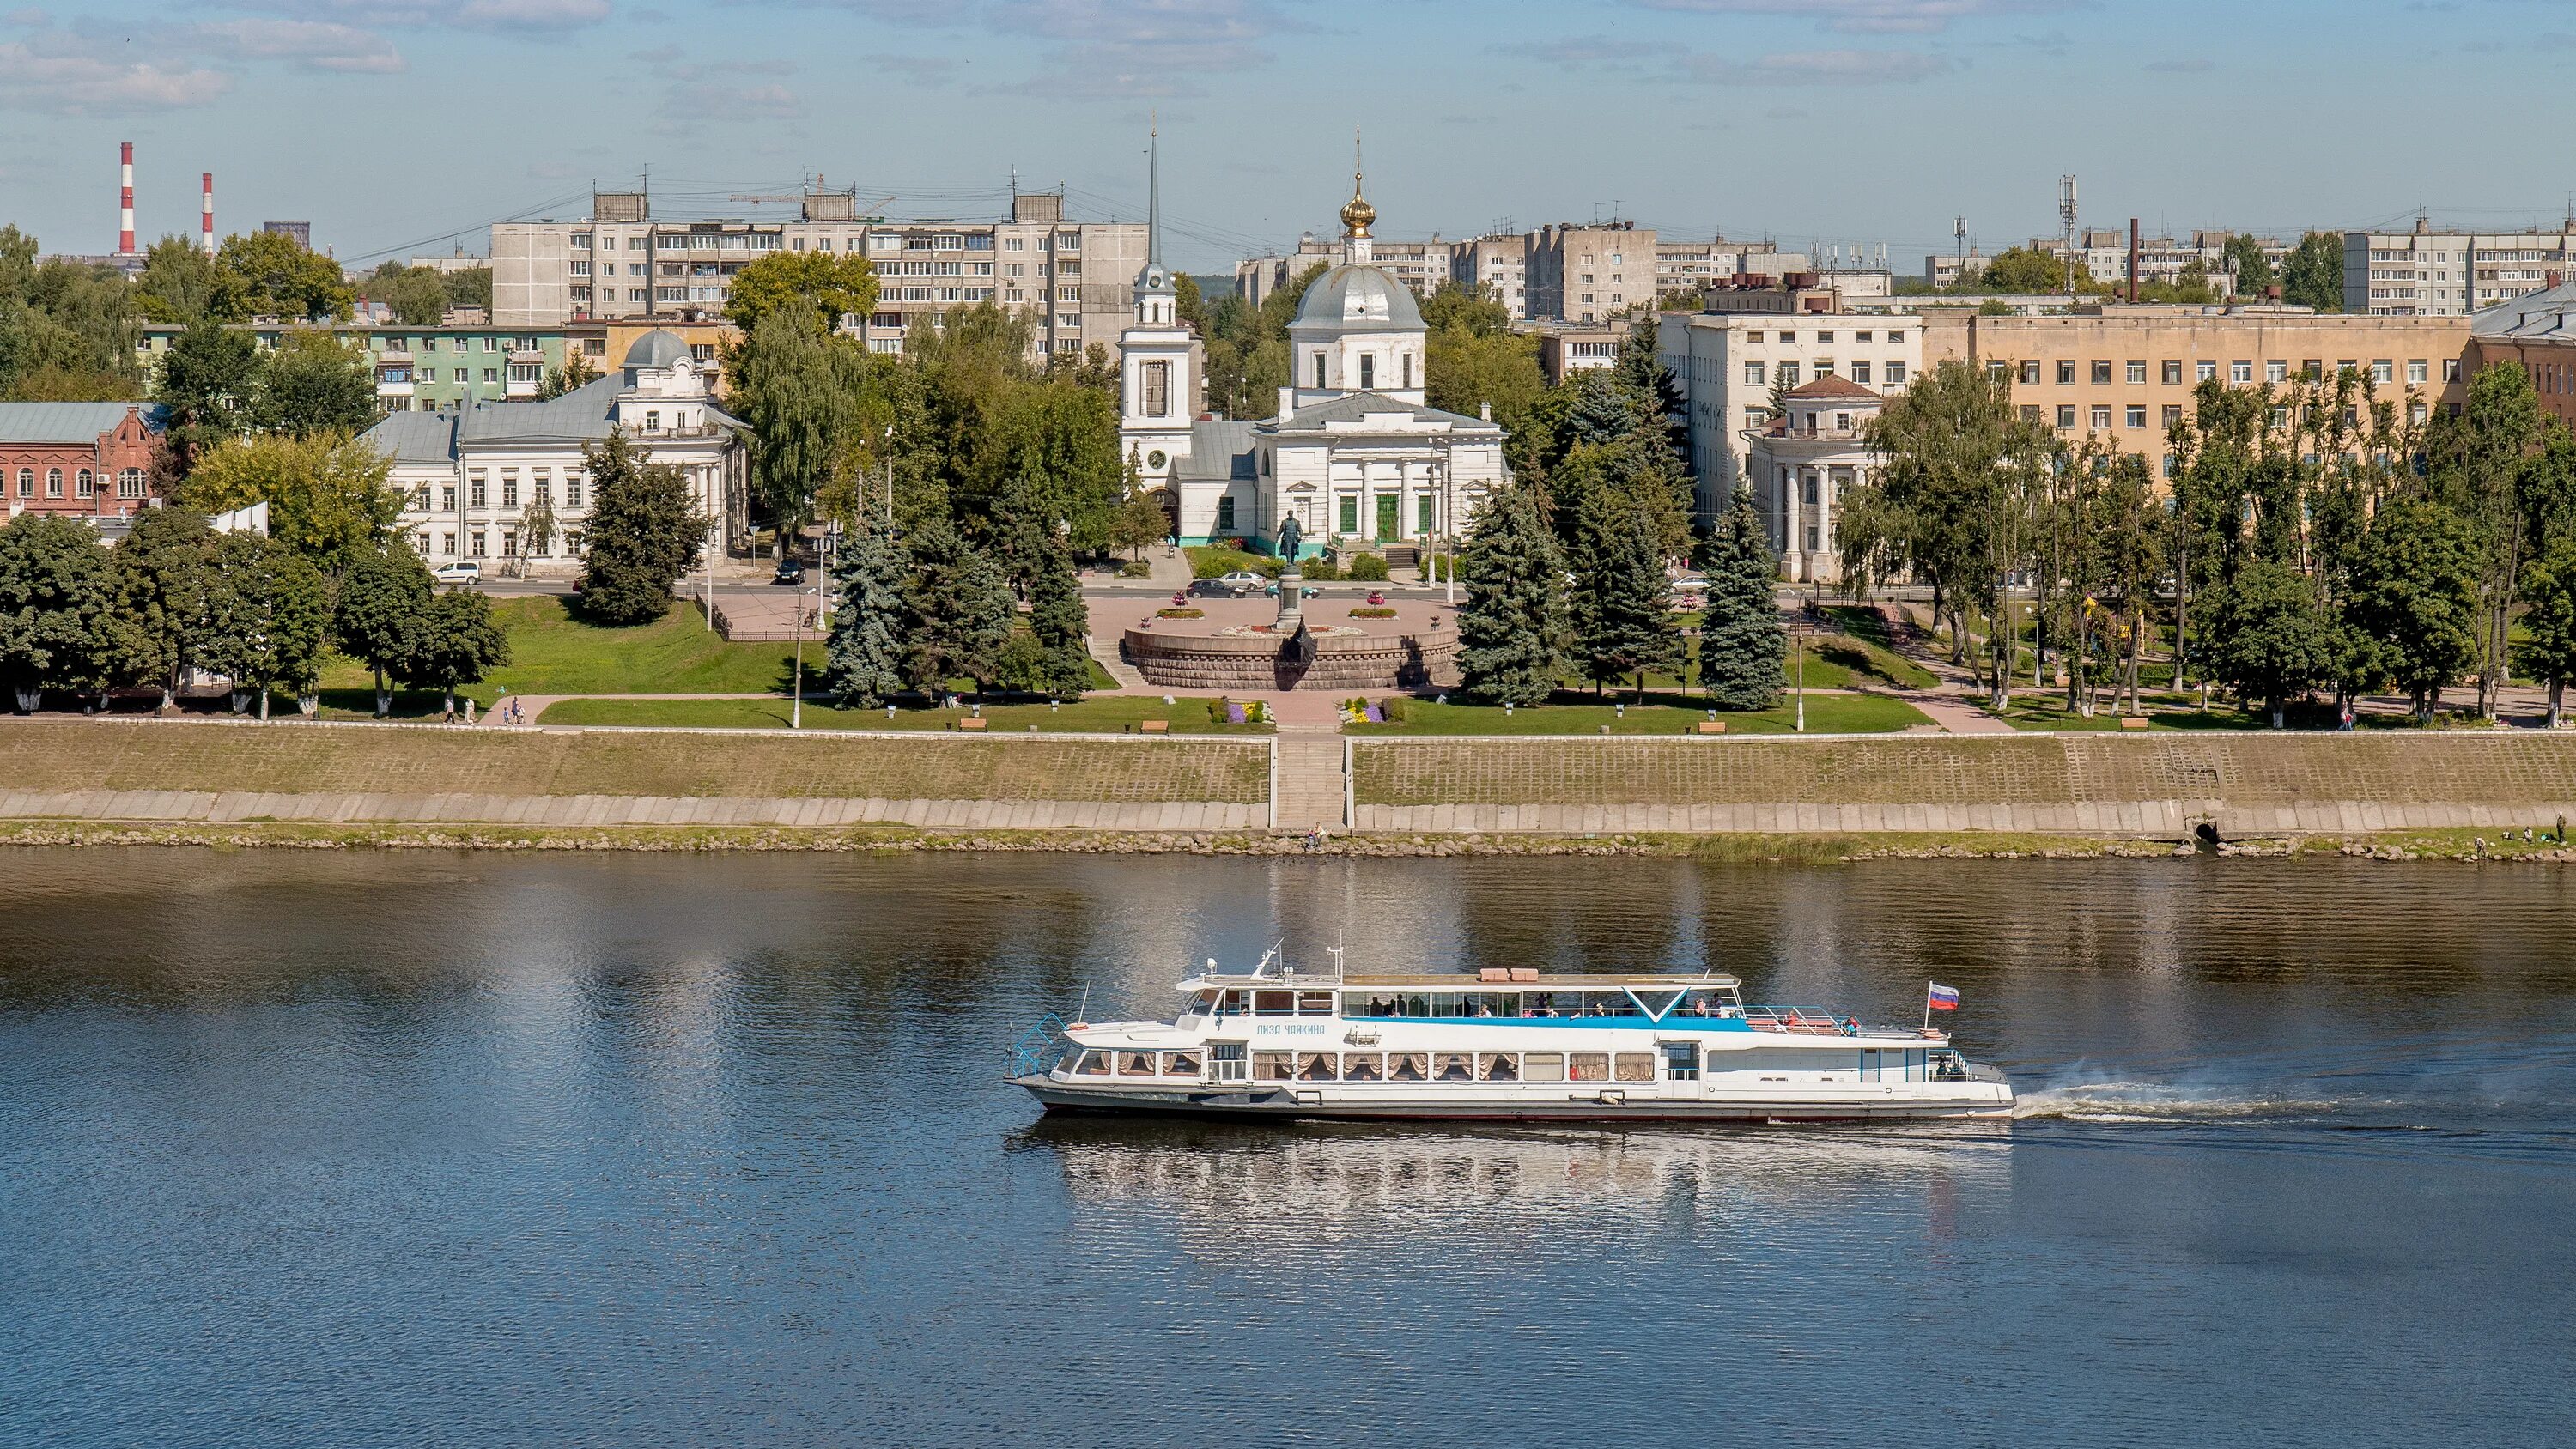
{"x":1588,"y":1067}
{"x":1316,"y":1067}
{"x":1273,"y":1003}
{"x":1498,"y":1066}
{"x":1135,"y":1064}
{"x":1237,"y":1003}
{"x":1314,"y":1003}
{"x":1551,"y":1003}
{"x":1270,"y":1066}
{"x":1360,"y":1067}
{"x":1707,"y":1001}
{"x":1681,"y":1061}
{"x":1408,"y":1067}
{"x":1092,"y":1064}
{"x":1543,"y":1067}
{"x":1634,"y":1067}
{"x":1180,"y":1064}
{"x":1203,"y":1002}
{"x":1453,"y":1067}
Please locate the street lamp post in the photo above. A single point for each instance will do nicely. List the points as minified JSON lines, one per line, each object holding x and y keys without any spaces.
{"x":1449,"y":515}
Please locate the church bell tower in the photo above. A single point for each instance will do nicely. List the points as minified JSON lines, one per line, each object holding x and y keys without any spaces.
{"x":1155,"y":386}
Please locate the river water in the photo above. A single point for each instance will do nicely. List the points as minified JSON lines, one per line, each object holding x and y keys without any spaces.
{"x":359,"y":1149}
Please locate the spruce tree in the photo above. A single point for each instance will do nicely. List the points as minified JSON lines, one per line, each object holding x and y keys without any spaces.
{"x":1511,"y":630}
{"x":644,"y":532}
{"x":1061,"y":622}
{"x":1741,"y":641}
{"x":1623,"y":617}
{"x":959,"y":610}
{"x":864,"y":662}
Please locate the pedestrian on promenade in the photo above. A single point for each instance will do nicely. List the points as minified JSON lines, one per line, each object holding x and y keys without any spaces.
{"x":447,"y":712}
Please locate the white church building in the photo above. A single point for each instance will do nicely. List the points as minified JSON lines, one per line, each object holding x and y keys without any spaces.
{"x":1354,"y":453}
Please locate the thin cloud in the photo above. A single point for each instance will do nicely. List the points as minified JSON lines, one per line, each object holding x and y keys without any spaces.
{"x":920,"y":70}
{"x":45,"y":80}
{"x":308,"y":44}
{"x":1869,"y":17}
{"x":533,"y":17}
{"x":1819,"y":68}
{"x":1576,"y":50}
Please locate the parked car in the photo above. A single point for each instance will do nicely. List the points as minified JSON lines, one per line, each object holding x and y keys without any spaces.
{"x":1241,"y":582}
{"x":458,"y":571}
{"x":788,"y":572}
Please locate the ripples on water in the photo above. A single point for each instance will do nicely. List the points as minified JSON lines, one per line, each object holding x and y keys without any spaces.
{"x":375,"y":1149}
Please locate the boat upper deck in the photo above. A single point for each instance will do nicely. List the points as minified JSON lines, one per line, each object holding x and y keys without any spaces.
{"x":1458,"y":981}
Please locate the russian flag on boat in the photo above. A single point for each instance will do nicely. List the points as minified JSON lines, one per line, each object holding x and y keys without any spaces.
{"x":1943,"y":998}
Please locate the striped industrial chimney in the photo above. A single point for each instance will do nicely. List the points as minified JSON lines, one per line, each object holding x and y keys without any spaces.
{"x":206,"y":214}
{"x":125,"y":199}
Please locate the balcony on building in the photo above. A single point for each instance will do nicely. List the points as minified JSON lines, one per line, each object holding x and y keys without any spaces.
{"x":524,"y":374}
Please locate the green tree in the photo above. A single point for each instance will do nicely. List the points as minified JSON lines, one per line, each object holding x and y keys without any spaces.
{"x":1062,"y":624}
{"x":645,"y":532}
{"x":871,"y":623}
{"x":2246,"y":262}
{"x":1623,"y":613}
{"x":57,"y":589}
{"x":2483,"y":462}
{"x":327,"y":495}
{"x":2312,"y":274}
{"x":2549,"y":619}
{"x":164,"y":576}
{"x":267,"y":615}
{"x":537,"y":529}
{"x":796,"y":388}
{"x":417,"y":295}
{"x":2028,"y":270}
{"x":468,"y":287}
{"x":2415,"y":591}
{"x":210,"y":381}
{"x":177,"y":283}
{"x":1464,"y":371}
{"x":1475,"y":311}
{"x":1512,"y":628}
{"x":313,"y":382}
{"x":831,"y":285}
{"x":383,"y":608}
{"x":1742,"y":644}
{"x":959,"y":611}
{"x":1139,"y":524}
{"x":2268,"y":640}
{"x":1189,"y":302}
{"x":577,"y":371}
{"x":270,"y":274}
{"x":454,"y":642}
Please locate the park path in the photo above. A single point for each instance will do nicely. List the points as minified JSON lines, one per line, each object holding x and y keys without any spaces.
{"x":1313,"y":793}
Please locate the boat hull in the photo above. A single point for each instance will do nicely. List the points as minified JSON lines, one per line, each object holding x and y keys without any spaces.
{"x":1287,"y":1104}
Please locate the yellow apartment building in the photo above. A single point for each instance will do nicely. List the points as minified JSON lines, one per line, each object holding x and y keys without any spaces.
{"x":2125,"y":374}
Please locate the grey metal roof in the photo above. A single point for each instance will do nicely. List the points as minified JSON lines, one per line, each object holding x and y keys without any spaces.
{"x":70,"y":422}
{"x":2545,"y":315}
{"x":1357,"y":298}
{"x":656,"y":349}
{"x":1353,"y":407}
{"x":580,"y":415}
{"x":415,"y":437}
{"x":1218,"y":450}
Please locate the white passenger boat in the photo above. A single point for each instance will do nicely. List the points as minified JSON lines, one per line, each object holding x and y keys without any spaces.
{"x":1505,"y":1044}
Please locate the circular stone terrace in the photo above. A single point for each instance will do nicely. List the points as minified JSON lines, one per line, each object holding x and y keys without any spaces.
{"x":1236,"y":645}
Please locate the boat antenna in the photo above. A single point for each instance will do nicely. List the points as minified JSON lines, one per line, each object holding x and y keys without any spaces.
{"x":1082,"y":1008}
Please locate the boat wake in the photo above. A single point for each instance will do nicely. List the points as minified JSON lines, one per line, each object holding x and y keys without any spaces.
{"x":2166,"y":1103}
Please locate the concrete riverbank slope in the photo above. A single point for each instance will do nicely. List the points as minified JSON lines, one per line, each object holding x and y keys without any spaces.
{"x":2157,"y":785}
{"x":218,"y":772}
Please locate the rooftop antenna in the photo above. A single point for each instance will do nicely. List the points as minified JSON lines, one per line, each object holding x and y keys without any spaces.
{"x":2066,"y":215}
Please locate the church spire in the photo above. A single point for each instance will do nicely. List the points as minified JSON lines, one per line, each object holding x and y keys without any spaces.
{"x":1157,"y":301}
{"x":1357,"y":213}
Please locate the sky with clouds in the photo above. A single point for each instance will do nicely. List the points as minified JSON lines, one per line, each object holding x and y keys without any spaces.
{"x":394,"y":124}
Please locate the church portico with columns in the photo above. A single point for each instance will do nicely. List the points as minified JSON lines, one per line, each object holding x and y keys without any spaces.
{"x":1354,"y":452}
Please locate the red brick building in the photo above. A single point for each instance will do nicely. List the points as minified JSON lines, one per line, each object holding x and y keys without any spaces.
{"x":85,"y":459}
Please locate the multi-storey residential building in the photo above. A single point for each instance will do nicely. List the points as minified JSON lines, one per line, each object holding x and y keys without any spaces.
{"x":621,"y":264}
{"x":1729,"y":365}
{"x":1588,"y":273}
{"x":1566,"y":348}
{"x":1423,"y":266}
{"x":470,"y":477}
{"x":89,"y":459}
{"x":420,"y":369}
{"x":2428,"y":273}
{"x":1682,"y":266}
{"x":1497,"y":264}
{"x":2537,"y":330}
{"x":2124,"y":375}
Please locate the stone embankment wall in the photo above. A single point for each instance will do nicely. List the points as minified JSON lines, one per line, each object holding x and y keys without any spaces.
{"x":1347,"y":662}
{"x":2158,"y":785}
{"x":224,"y":771}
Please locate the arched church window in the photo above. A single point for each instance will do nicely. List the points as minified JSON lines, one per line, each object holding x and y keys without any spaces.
{"x":1158,"y":388}
{"x":1319,"y":372}
{"x":1408,"y":370}
{"x":1368,"y":372}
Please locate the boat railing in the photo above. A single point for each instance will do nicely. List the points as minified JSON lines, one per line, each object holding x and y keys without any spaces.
{"x":1031,"y":1053}
{"x":1800,"y":1021}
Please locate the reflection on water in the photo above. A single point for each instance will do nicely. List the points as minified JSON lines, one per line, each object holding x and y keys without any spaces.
{"x":396,"y":1148}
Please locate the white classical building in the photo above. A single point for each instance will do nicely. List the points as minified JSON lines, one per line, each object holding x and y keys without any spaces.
{"x":470,"y":476}
{"x":1354,"y":453}
{"x":1802,"y":463}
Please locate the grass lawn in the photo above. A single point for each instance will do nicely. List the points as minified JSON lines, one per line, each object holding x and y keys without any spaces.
{"x":1826,"y":714}
{"x":1208,"y":562}
{"x":552,"y":651}
{"x":1091,"y":716}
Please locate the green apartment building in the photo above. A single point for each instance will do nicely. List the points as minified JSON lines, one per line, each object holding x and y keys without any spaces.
{"x":422,"y":369}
